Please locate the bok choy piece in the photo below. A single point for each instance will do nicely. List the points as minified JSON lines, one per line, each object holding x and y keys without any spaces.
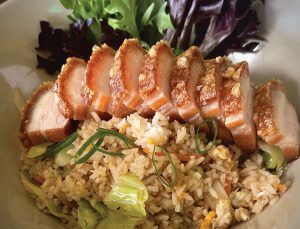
{"x":128,"y":196}
{"x":37,"y":191}
{"x":62,"y":158}
{"x":37,"y":150}
{"x":272,"y":156}
{"x":125,"y":203}
{"x":88,"y":217}
{"x":124,"y":206}
{"x":99,"y":207}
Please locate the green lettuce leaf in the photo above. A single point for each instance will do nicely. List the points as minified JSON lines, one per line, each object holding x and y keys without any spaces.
{"x":125,"y":16}
{"x":162,"y":19}
{"x":83,"y":10}
{"x":68,"y":4}
{"x":147,"y":16}
{"x":143,"y":19}
{"x":156,"y":15}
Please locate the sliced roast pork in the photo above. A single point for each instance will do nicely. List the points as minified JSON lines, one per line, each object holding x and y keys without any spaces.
{"x":208,"y":94}
{"x":188,"y":67}
{"x":154,"y":80}
{"x":276,"y":119}
{"x":97,"y":89}
{"x":70,"y":87}
{"x":208,"y":89}
{"x":125,"y":73}
{"x":237,"y":107}
{"x":41,"y":119}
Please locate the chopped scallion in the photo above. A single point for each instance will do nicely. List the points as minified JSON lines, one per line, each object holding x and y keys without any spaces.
{"x":161,"y":179}
{"x":100,"y":134}
{"x":52,"y":150}
{"x":122,"y":137}
{"x":214,"y":123}
{"x":78,"y":159}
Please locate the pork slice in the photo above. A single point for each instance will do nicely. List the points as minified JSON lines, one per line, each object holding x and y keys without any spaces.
{"x":276,"y":119}
{"x":97,"y":89}
{"x":154,"y":80}
{"x":208,"y":89}
{"x":70,"y":87}
{"x":208,"y":94}
{"x":237,"y":107}
{"x":125,"y":73}
{"x":41,"y":119}
{"x":185,"y":76}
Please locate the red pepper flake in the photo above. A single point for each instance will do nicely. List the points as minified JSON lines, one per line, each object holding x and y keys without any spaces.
{"x":39,"y":179}
{"x":159,"y":154}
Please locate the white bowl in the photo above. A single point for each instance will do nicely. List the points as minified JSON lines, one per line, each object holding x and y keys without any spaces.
{"x":19,"y":26}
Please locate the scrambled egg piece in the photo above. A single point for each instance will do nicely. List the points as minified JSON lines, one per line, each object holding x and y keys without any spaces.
{"x":220,"y":152}
{"x":207,"y":222}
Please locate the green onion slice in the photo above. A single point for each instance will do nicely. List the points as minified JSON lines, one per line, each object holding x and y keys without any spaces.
{"x":161,"y":179}
{"x":122,"y":137}
{"x":78,"y":159}
{"x":104,"y":151}
{"x":100,"y":134}
{"x":214,"y":123}
{"x":52,"y":150}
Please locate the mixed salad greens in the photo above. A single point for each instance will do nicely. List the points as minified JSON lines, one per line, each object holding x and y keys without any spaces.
{"x":217,"y":27}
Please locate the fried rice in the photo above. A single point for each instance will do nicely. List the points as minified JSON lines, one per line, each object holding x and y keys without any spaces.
{"x":216,"y":189}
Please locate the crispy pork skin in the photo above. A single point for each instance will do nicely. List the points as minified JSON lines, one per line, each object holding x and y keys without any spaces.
{"x":70,"y":86}
{"x":237,"y":107}
{"x":185,"y":76}
{"x":97,"y":88}
{"x":41,"y":119}
{"x":154,"y":80}
{"x":276,"y":119}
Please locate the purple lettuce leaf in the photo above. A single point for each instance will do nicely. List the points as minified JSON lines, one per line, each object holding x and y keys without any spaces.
{"x":217,"y":27}
{"x":56,"y":45}
{"x":220,"y":27}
